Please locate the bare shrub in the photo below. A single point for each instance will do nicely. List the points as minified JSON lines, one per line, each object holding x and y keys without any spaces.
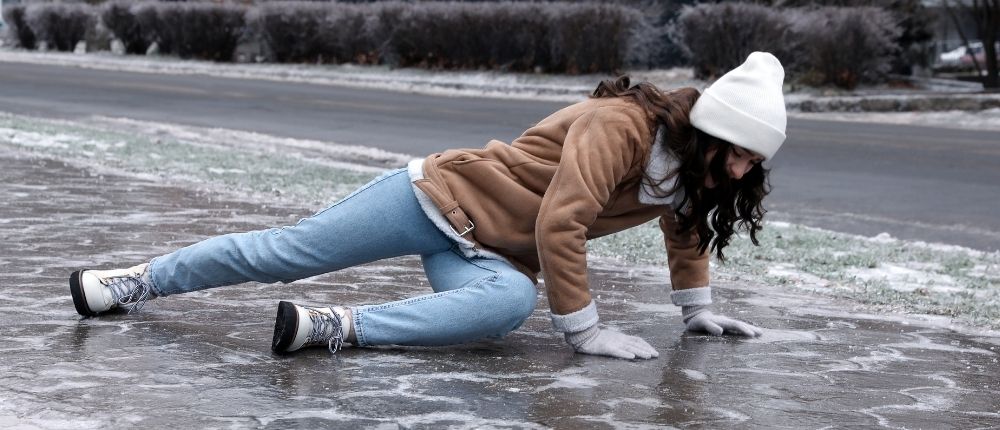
{"x":843,"y":46}
{"x":319,"y":32}
{"x":915,"y":18}
{"x":569,"y":37}
{"x":523,"y":49}
{"x":555,"y":37}
{"x":353,"y":35}
{"x":590,"y":37}
{"x":718,"y":37}
{"x":147,"y":17}
{"x":442,"y":35}
{"x":17,"y":26}
{"x":650,"y":42}
{"x":293,"y":33}
{"x":60,"y":25}
{"x":207,"y":31}
{"x":849,"y":45}
{"x":121,"y":18}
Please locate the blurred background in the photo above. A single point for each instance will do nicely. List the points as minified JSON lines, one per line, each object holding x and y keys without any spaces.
{"x":835,"y":43}
{"x":128,"y":129}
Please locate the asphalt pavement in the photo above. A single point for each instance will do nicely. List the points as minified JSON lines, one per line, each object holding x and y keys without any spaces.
{"x":202,"y":360}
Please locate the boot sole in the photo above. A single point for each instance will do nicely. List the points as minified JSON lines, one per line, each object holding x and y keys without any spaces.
{"x":79,"y":298}
{"x":286,"y":324}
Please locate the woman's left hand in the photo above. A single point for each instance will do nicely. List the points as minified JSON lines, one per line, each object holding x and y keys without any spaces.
{"x":699,"y":318}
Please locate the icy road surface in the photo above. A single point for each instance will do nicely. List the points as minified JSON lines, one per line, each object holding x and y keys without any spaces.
{"x":203,"y":361}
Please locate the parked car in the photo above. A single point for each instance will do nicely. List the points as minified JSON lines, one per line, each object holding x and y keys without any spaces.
{"x":961,"y":57}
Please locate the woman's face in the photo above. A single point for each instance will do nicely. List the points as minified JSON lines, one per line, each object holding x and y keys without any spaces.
{"x":738,"y":162}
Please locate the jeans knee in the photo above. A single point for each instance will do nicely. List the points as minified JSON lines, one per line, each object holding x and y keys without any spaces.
{"x":520,"y":298}
{"x":527,"y":297}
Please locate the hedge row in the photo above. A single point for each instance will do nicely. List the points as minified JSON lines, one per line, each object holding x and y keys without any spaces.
{"x":59,"y":25}
{"x":208,"y":31}
{"x":562,"y":37}
{"x":843,"y":46}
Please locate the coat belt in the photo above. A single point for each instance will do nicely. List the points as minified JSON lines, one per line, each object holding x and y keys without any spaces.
{"x":461,"y":224}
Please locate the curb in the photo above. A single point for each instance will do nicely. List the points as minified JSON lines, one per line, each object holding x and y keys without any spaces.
{"x":899,"y":103}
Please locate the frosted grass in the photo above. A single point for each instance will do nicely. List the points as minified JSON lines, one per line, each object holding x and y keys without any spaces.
{"x":883,"y":272}
{"x":163,"y":155}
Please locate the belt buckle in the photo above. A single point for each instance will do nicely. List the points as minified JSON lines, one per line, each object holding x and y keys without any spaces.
{"x":468,"y":228}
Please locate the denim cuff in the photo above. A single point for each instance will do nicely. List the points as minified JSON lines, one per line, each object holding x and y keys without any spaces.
{"x":692,"y":296}
{"x":147,"y":277}
{"x":576,"y":321}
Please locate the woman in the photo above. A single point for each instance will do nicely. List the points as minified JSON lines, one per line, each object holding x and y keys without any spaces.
{"x":486,"y":222}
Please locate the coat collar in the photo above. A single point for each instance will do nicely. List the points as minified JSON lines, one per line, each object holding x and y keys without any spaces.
{"x":660,"y":163}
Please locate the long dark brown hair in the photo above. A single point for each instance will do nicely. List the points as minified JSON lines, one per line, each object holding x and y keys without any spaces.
{"x":712,"y":213}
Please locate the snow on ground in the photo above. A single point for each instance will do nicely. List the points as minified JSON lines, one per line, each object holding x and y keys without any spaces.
{"x":885,"y":273}
{"x":526,"y":86}
{"x":882,"y":272}
{"x":988,"y":119}
{"x":265,"y":168}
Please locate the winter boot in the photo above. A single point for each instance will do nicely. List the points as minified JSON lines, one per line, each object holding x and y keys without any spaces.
{"x":297,"y":327}
{"x":97,"y":291}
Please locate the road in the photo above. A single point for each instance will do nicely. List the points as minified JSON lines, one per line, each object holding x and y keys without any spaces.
{"x":202,"y":360}
{"x":921,"y":183}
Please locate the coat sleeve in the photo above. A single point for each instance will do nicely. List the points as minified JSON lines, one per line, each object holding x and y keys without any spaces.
{"x":689,"y":276}
{"x":597,"y":153}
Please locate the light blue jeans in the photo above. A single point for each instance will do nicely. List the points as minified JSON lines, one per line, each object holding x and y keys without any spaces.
{"x":473,"y":298}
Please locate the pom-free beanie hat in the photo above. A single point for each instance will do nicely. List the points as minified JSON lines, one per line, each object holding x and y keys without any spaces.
{"x":746,"y":106}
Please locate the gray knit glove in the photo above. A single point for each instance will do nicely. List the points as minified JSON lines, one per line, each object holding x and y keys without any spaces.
{"x":699,"y":318}
{"x":597,"y":341}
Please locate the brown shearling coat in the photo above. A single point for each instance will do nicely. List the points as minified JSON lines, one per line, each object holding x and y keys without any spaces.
{"x":574,"y":176}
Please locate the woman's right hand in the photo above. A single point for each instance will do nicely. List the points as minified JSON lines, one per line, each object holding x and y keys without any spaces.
{"x":599,"y":341}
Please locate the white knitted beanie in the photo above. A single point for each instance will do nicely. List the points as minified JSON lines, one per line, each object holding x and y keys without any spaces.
{"x":746,"y":106}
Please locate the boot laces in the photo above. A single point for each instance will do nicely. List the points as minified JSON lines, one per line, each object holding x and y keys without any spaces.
{"x":129,"y":291}
{"x":326,"y":328}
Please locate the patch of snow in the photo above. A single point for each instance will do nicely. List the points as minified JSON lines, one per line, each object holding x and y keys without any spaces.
{"x":921,"y":342}
{"x":906,"y":279}
{"x":730,"y":414}
{"x":568,"y":380}
{"x":648,"y":401}
{"x":694,"y":374}
{"x":793,"y":274}
{"x":344,"y":156}
{"x":218,"y":171}
{"x":988,"y":119}
{"x":923,"y":320}
{"x":882,"y":237}
{"x":778,"y":224}
{"x":785,"y":336}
